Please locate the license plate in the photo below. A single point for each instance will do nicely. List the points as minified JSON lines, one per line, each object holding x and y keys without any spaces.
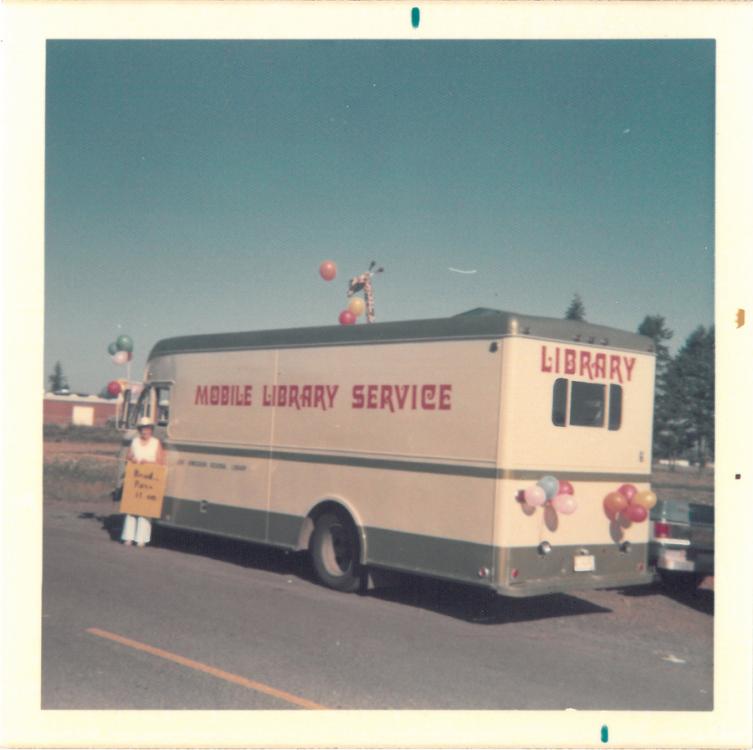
{"x":583,"y":563}
{"x":675,"y":554}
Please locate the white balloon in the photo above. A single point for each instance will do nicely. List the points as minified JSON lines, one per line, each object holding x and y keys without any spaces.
{"x":120,"y":358}
{"x":534,"y":495}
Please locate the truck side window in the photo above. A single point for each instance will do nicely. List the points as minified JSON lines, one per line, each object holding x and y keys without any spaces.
{"x":615,"y":407}
{"x":163,"y":404}
{"x":124,"y":409}
{"x":559,"y":402}
{"x":143,"y":408}
{"x":587,"y":407}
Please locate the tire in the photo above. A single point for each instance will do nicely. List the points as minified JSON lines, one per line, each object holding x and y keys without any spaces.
{"x":334,"y":552}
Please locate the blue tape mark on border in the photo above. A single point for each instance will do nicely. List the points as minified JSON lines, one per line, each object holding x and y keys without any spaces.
{"x":415,"y":17}
{"x":605,"y":733}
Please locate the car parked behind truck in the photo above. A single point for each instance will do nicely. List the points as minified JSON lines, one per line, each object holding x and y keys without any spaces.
{"x":682,"y":542}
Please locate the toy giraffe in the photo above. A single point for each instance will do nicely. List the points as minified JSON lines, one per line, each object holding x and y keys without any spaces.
{"x":363,"y":282}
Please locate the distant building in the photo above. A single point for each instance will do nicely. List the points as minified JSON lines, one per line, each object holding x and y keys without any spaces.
{"x":91,"y":411}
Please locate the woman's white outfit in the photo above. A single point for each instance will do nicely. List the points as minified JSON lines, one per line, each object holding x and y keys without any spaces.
{"x":138,"y":528}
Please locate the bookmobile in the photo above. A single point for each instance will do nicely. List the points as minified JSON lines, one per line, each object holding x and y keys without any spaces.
{"x":478,"y":448}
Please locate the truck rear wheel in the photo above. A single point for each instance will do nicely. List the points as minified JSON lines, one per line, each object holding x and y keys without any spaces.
{"x":334,"y":552}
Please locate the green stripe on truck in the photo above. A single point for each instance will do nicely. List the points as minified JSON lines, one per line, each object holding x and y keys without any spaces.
{"x":427,"y":467}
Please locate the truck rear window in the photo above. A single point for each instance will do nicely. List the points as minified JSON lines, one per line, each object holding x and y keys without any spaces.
{"x":583,"y":404}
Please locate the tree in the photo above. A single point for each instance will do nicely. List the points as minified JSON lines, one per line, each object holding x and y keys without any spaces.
{"x":687,"y":403}
{"x":577,"y":310}
{"x":654,"y":327}
{"x":57,"y":379}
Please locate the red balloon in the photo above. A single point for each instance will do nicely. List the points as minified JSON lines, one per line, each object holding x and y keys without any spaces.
{"x":636,"y":513}
{"x":113,"y":388}
{"x":328,"y":270}
{"x":566,"y":488}
{"x":628,"y":491}
{"x":347,"y":318}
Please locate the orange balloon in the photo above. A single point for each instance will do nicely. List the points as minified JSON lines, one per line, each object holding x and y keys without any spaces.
{"x":357,"y":306}
{"x":644,"y":499}
{"x":614,"y":504}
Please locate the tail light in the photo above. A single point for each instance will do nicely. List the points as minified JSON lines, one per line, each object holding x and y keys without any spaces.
{"x":661,"y":530}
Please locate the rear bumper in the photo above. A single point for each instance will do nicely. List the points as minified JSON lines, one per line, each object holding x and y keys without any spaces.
{"x":524,"y":571}
{"x":583,"y":583}
{"x":682,"y":559}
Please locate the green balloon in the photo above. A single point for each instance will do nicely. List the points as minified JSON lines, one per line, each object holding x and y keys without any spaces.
{"x":124,"y":344}
{"x":112,"y":348}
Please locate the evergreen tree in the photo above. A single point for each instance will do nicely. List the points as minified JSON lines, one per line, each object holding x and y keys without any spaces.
{"x":577,"y":310}
{"x":654,"y":327}
{"x":57,"y":379}
{"x":687,"y":403}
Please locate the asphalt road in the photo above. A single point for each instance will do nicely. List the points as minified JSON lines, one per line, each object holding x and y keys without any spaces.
{"x":195,"y":622}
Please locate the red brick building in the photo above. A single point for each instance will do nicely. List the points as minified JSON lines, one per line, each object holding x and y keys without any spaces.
{"x":91,"y":411}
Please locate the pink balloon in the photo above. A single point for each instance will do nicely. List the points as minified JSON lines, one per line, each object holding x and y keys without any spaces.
{"x":566,"y":488}
{"x":120,"y":358}
{"x":347,"y":318}
{"x":113,"y":388}
{"x":328,"y":270}
{"x":534,"y":495}
{"x":565,"y":504}
{"x":628,"y":491}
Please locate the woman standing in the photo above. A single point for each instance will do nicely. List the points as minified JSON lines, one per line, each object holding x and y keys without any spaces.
{"x":145,"y":449}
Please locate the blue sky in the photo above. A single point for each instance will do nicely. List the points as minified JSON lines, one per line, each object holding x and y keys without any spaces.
{"x":194,"y":187}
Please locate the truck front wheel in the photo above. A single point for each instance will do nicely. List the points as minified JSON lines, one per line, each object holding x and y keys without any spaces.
{"x":334,"y":552}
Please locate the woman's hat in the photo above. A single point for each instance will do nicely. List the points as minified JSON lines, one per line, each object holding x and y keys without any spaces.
{"x":144,"y":422}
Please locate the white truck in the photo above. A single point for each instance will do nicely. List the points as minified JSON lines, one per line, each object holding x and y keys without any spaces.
{"x":409,"y":446}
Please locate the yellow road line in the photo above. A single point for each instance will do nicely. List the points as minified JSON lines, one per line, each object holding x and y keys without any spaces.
{"x":197,"y":665}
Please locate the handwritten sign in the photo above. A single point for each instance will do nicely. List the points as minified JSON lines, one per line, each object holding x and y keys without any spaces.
{"x":143,"y":490}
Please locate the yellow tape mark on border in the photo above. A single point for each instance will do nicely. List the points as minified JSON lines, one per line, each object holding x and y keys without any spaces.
{"x":200,"y":667}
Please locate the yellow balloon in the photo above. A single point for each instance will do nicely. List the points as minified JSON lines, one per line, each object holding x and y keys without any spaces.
{"x":357,"y":306}
{"x":646,"y":499}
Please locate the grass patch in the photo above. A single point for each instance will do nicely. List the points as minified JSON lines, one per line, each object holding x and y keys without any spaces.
{"x":81,"y":434}
{"x":83,"y":479}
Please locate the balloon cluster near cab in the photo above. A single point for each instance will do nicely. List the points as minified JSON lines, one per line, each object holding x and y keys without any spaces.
{"x":121,"y":350}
